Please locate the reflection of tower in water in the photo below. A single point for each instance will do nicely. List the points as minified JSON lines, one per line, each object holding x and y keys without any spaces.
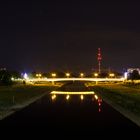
{"x":99,"y":105}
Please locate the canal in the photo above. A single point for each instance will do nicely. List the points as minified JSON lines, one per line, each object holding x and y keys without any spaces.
{"x":81,"y":112}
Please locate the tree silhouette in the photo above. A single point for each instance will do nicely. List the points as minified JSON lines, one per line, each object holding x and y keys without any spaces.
{"x":134,"y":75}
{"x":5,"y":78}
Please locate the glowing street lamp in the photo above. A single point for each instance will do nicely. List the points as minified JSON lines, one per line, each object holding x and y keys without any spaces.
{"x":111,"y":75}
{"x":12,"y":78}
{"x":81,"y":75}
{"x":96,"y":74}
{"x":68,"y":75}
{"x":53,"y":75}
{"x":38,"y":75}
{"x":25,"y":76}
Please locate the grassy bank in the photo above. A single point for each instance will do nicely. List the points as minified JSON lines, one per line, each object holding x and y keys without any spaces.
{"x":16,"y":97}
{"x":123,"y":98}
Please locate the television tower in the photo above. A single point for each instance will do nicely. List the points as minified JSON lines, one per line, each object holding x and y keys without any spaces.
{"x":99,"y":58}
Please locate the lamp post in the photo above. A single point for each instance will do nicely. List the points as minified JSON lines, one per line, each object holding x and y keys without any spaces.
{"x":111,"y":75}
{"x":81,"y":75}
{"x":53,"y":75}
{"x":96,"y":75}
{"x":67,"y":75}
{"x":38,"y":75}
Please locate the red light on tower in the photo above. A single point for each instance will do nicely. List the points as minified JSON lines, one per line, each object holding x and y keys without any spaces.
{"x":99,"y":59}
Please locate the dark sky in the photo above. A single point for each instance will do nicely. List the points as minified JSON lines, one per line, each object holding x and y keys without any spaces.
{"x":65,"y":35}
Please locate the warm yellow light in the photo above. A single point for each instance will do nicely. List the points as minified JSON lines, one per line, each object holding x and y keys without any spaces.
{"x":96,"y":74}
{"x":67,"y":97}
{"x":12,"y":78}
{"x":53,"y":74}
{"x":111,"y":74}
{"x":74,"y":93}
{"x":68,"y":74}
{"x":38,"y":75}
{"x":82,"y":97}
{"x":53,"y":97}
{"x":81,"y":74}
{"x":96,"y":97}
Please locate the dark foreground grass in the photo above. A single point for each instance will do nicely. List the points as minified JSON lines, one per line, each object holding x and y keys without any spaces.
{"x":125,"y":99}
{"x":17,"y":97}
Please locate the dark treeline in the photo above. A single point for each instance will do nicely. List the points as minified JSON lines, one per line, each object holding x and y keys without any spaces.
{"x":6,"y":77}
{"x":134,"y":75}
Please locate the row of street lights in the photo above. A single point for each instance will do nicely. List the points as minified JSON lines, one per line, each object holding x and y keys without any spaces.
{"x":54,"y":75}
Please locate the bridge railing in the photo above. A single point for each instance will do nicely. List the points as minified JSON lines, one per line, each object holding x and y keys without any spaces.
{"x":74,"y":79}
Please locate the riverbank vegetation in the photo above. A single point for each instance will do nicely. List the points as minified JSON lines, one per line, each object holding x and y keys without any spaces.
{"x":123,"y":97}
{"x":18,"y":96}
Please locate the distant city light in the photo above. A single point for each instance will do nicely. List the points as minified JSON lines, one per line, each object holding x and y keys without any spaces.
{"x":12,"y":78}
{"x":68,"y":74}
{"x":81,"y":75}
{"x":53,"y":74}
{"x":111,"y":75}
{"x":25,"y":76}
{"x":125,"y":75}
{"x":96,"y":74}
{"x":38,"y":75}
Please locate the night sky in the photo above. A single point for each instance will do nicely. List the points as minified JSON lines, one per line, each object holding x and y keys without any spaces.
{"x":65,"y":35}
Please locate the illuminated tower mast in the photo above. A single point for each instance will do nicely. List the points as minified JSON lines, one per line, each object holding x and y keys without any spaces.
{"x":99,"y":59}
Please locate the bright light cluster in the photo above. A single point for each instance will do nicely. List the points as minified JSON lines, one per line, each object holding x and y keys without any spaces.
{"x":25,"y":76}
{"x":65,"y":92}
{"x":53,"y":97}
{"x":53,"y":74}
{"x":111,"y":75}
{"x":68,"y":74}
{"x":38,"y":75}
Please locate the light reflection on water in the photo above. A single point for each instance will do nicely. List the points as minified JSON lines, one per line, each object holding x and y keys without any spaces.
{"x":82,"y":96}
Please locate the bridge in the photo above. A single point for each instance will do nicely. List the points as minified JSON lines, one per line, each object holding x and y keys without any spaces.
{"x":76,"y":79}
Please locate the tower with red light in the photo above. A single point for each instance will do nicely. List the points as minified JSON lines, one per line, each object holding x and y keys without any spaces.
{"x":99,"y":58}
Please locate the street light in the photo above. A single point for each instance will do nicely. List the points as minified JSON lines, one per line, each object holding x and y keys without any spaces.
{"x":25,"y":76}
{"x":81,"y":75}
{"x":96,"y":74}
{"x":111,"y":75}
{"x":38,"y":75}
{"x":53,"y":75}
{"x":68,"y":75}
